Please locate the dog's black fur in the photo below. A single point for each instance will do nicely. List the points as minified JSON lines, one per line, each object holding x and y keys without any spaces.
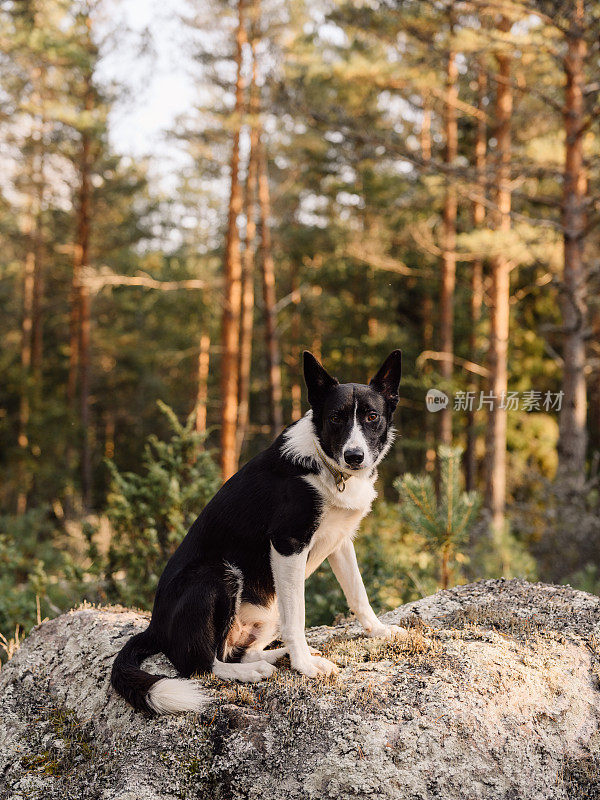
{"x":266,"y":503}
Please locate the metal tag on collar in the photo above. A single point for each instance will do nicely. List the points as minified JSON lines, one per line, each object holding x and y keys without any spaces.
{"x":341,"y":483}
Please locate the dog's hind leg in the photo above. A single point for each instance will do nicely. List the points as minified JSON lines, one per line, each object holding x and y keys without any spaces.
{"x":258,"y":627}
{"x":204,"y":615}
{"x":192,"y":617}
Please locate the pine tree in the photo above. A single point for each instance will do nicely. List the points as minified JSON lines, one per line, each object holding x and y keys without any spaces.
{"x":444,"y":522}
{"x":476,"y":280}
{"x":573,"y":436}
{"x":268,"y":284}
{"x":249,"y":255}
{"x":232,"y":270}
{"x":35,"y":44}
{"x":500,"y":293}
{"x":448,"y":280}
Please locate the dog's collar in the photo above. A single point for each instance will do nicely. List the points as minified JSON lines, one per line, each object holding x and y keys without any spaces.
{"x":339,"y":477}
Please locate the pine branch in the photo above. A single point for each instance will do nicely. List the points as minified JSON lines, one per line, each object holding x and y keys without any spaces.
{"x":95,"y":281}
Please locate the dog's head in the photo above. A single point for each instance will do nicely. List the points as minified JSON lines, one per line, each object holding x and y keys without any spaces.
{"x":353,"y":421}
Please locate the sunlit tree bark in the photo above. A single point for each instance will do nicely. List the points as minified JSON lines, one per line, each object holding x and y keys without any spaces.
{"x":202,"y":390}
{"x":247,"y":315}
{"x":449,"y":243}
{"x":233,"y":277}
{"x":269,"y":298}
{"x":500,"y":300}
{"x":295,"y":362}
{"x":573,"y":298}
{"x":476,"y":282}
{"x":80,"y":331}
{"x":428,"y":310}
{"x":26,"y":328}
{"x":37,"y":333}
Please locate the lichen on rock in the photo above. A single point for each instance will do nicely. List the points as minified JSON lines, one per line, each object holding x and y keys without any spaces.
{"x":494,"y":694}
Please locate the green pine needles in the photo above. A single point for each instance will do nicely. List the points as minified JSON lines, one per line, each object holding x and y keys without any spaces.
{"x":445,"y":521}
{"x":151,"y":511}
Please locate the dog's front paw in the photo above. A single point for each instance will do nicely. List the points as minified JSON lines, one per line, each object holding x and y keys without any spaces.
{"x":259,"y":670}
{"x":387,"y":631}
{"x":271,"y":656}
{"x":312,"y":666}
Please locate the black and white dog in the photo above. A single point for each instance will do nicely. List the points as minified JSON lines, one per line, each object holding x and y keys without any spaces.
{"x":236,"y":582}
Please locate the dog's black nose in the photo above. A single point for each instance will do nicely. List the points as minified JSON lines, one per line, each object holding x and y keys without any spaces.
{"x":354,"y":458}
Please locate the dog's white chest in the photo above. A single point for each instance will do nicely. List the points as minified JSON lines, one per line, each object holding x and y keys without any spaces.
{"x":336,"y":525}
{"x":341,"y":516}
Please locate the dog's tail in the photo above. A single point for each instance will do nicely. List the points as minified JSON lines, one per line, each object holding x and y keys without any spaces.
{"x":155,"y":694}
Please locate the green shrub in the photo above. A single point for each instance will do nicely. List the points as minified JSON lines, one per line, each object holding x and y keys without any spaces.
{"x":150,"y":512}
{"x":38,"y":575}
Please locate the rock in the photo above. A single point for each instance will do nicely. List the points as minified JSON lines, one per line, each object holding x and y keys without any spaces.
{"x":499,"y":699}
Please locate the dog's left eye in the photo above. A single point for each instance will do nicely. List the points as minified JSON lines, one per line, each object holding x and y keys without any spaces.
{"x":373,"y":416}
{"x":335,"y":418}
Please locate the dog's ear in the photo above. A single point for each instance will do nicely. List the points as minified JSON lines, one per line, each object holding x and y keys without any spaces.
{"x":387,"y":380}
{"x":318,"y":380}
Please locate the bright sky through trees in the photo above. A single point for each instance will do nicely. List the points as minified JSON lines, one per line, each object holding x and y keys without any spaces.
{"x":159,"y":82}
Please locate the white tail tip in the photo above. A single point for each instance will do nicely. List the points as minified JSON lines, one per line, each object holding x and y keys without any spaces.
{"x":175,"y":695}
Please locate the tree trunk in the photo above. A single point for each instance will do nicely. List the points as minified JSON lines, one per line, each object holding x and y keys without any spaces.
{"x":476,"y":283}
{"x":84,"y":393}
{"x":500,"y":304}
{"x":80,"y":249}
{"x":445,"y":567}
{"x":37,"y":338}
{"x":81,"y":261}
{"x":295,"y":332}
{"x":426,"y":131}
{"x":37,"y":334}
{"x":31,"y":287}
{"x":26,"y":327}
{"x":449,"y":246}
{"x":233,"y":280}
{"x":428,"y":328}
{"x":109,"y":435}
{"x":247,"y":321}
{"x":202,"y":393}
{"x":428,"y":324}
{"x":317,"y":339}
{"x":572,"y":439}
{"x":74,"y":331}
{"x":269,"y":299}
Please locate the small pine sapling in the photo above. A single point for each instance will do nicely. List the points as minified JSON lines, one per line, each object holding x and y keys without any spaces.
{"x":443,"y":522}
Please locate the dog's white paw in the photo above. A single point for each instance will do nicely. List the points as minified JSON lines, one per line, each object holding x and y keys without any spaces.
{"x":271,"y":656}
{"x":259,"y":671}
{"x":244,"y":672}
{"x":312,"y":666}
{"x":387,"y":632}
